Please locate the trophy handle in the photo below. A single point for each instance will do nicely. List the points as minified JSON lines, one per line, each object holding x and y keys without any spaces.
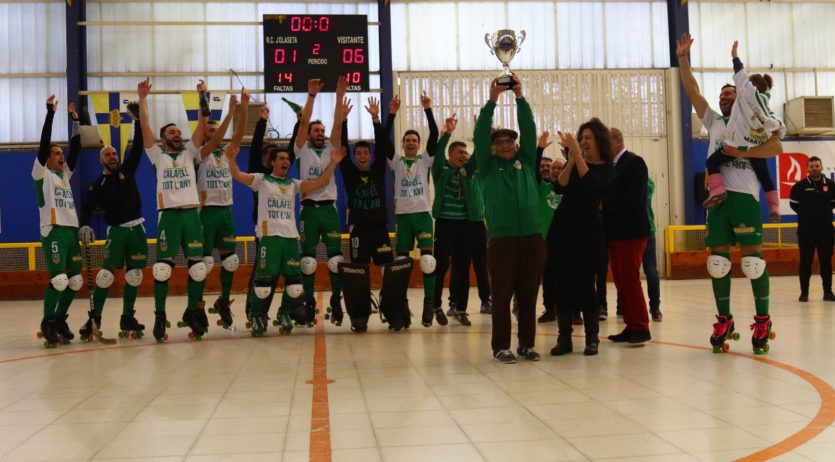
{"x":523,"y":35}
{"x":487,"y":40}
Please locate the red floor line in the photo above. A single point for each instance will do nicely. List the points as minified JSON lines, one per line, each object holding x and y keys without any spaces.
{"x":320,"y":423}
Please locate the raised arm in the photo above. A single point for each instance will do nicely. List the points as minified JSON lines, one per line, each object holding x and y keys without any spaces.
{"x":345,"y":164}
{"x":75,"y":138}
{"x":482,"y":133}
{"x":217,"y":138}
{"x":242,"y":119}
{"x":387,"y":147}
{"x":688,"y":80}
{"x":541,"y":145}
{"x":46,"y":131}
{"x":432,"y":141}
{"x":231,"y":152}
{"x":313,"y":88}
{"x":338,"y":112}
{"x":337,"y":155}
{"x":143,"y":89}
{"x":446,"y":132}
{"x":575,"y":158}
{"x":202,"y":116}
{"x":527,"y":125}
{"x":258,"y":140}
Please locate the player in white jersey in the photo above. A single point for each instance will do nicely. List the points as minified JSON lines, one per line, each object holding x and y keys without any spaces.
{"x":318,"y":216}
{"x":59,"y":226}
{"x":179,"y":221}
{"x":411,"y":202}
{"x":276,"y":230}
{"x":751,"y":123}
{"x":736,"y":220}
{"x":214,"y":184}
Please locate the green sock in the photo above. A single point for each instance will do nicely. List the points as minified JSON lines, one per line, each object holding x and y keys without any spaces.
{"x":308,"y":281}
{"x":160,"y":294}
{"x":336,"y":284}
{"x":429,"y":285}
{"x":129,"y":297}
{"x":50,"y":302}
{"x":99,"y":296}
{"x":195,"y":292}
{"x":64,"y":303}
{"x":722,"y":290}
{"x":225,"y":284}
{"x":760,"y":287}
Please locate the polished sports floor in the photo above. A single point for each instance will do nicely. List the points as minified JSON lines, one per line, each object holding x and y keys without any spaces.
{"x":424,"y":394}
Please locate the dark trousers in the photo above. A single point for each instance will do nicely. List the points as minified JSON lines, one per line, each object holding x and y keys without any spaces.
{"x":549,"y":284}
{"x":600,"y":277}
{"x":650,"y":264}
{"x":625,"y":256}
{"x":575,"y":283}
{"x":452,"y":242}
{"x":478,"y":252}
{"x":808,"y":244}
{"x":515,"y":265}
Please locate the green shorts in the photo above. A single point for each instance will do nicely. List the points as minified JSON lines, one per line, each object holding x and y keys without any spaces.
{"x":319,"y":221}
{"x":125,"y":247}
{"x":179,"y":227}
{"x":278,"y":255}
{"x":413,"y":227}
{"x":737,"y":220}
{"x":218,"y":230}
{"x":61,"y":251}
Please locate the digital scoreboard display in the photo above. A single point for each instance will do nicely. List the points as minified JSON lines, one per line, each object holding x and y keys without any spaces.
{"x":298,"y":48}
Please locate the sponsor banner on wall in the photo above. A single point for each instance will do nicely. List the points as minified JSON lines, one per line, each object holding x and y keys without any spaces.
{"x":791,"y":166}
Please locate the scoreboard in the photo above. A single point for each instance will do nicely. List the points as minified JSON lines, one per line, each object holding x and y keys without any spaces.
{"x":298,"y":48}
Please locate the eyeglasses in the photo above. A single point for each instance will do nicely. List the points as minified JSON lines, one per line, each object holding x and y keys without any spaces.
{"x":504,"y":142}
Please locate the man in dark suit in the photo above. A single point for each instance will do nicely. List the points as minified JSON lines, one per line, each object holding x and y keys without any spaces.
{"x":626,"y":225}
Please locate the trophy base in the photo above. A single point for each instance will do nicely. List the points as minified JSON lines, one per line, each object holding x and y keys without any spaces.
{"x":505,"y":80}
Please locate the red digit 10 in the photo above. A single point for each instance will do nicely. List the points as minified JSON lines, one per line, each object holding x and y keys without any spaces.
{"x":353,"y":77}
{"x":353,"y":56}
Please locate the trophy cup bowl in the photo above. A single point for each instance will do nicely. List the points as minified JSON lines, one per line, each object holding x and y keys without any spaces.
{"x":504,"y":44}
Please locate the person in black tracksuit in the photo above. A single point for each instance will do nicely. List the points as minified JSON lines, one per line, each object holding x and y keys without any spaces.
{"x":365,"y":184}
{"x":813,"y":199}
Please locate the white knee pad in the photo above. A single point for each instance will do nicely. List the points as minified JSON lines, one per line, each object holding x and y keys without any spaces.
{"x":308,"y":265}
{"x":718,"y":266}
{"x":104,"y":278}
{"x":294,"y":290}
{"x":209,"y":261}
{"x":753,"y":267}
{"x":162,"y":271}
{"x":428,"y":264}
{"x":197,"y":271}
{"x":76,"y":282}
{"x":60,"y":282}
{"x":262,"y":292}
{"x":231,"y":263}
{"x":333,"y":263}
{"x":133,"y":277}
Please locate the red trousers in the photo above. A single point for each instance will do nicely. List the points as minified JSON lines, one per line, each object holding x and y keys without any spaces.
{"x":625,"y":259}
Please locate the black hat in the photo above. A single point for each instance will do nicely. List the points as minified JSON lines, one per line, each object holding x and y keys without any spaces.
{"x":502,"y":132}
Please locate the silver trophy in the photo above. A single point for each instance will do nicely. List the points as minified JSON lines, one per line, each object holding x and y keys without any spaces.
{"x":505,"y":44}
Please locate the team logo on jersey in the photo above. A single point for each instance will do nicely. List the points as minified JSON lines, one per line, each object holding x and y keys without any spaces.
{"x":552,"y":200}
{"x":517,"y":165}
{"x":56,"y":258}
{"x":121,"y":176}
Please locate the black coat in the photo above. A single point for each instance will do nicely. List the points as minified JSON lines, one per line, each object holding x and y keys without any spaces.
{"x":625,"y":201}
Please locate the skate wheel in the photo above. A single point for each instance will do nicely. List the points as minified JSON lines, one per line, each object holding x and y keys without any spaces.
{"x":317,"y":311}
{"x":191,"y":335}
{"x":338,"y":323}
{"x":327,"y":316}
{"x":725,"y":347}
{"x":39,"y":334}
{"x":295,"y":323}
{"x":48,"y":345}
{"x":181,"y":324}
{"x":315,"y":321}
{"x":167,"y":323}
{"x":248,"y":325}
{"x":735,"y":336}
{"x":329,"y":310}
{"x":766,"y":348}
{"x":717,"y":349}
{"x":772,"y":335}
{"x":121,"y":335}
{"x":426,"y":324}
{"x":212,"y":310}
{"x":60,"y":340}
{"x":220,"y":323}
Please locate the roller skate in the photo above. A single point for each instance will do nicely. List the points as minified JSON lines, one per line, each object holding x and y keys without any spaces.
{"x":762,"y":334}
{"x":723,"y":329}
{"x":201,"y":318}
{"x":223,"y":309}
{"x":259,"y":324}
{"x":86,"y":331}
{"x":48,"y":333}
{"x":160,"y":323}
{"x":65,"y":335}
{"x":428,"y":311}
{"x":440,"y":316}
{"x":335,"y":310}
{"x":303,"y":313}
{"x":191,"y":320}
{"x":130,"y":327}
{"x":284,"y":323}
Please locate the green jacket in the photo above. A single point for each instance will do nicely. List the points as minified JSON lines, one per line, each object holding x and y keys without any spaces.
{"x":511,"y":195}
{"x":441,"y":174}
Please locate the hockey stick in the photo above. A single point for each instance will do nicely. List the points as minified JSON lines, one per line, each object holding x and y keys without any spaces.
{"x":88,"y":262}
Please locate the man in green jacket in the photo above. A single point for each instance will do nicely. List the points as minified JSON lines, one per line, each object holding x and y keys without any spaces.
{"x":458,"y":202}
{"x":516,"y":252}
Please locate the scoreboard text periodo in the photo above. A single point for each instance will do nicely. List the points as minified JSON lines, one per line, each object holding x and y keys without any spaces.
{"x":298,"y":48}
